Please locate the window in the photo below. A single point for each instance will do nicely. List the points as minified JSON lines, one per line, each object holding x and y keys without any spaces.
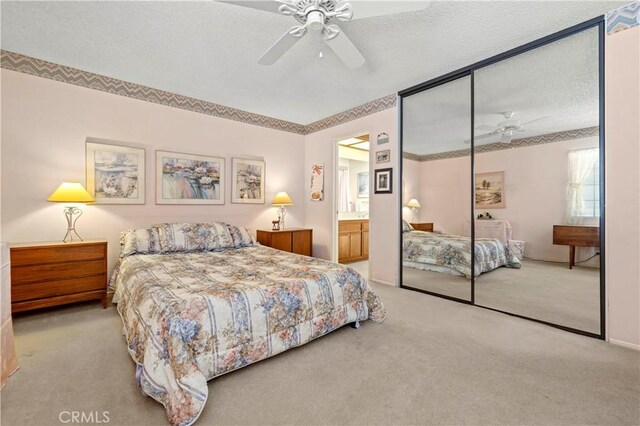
{"x":591,"y":193}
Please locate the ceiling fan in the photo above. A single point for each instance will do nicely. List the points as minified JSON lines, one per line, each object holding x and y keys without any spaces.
{"x":325,"y":17}
{"x":506,"y":129}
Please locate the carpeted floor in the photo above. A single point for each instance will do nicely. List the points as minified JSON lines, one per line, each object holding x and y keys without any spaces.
{"x":432,"y":361}
{"x":543,"y":290}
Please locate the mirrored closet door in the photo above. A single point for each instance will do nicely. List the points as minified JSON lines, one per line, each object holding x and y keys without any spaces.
{"x":503,"y":182}
{"x":537,"y":179}
{"x":436,"y":176}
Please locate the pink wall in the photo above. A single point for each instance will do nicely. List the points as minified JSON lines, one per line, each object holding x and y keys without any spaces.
{"x":623,"y":186}
{"x":536,"y":182}
{"x":45,"y":124}
{"x":383,"y":210}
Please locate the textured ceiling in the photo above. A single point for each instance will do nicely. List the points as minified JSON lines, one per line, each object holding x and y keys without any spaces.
{"x":208,"y":50}
{"x":558,"y":81}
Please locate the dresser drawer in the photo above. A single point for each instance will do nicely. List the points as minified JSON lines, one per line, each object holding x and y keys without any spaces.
{"x":349,"y":226}
{"x":56,"y":271}
{"x":57,"y":288}
{"x":56,"y":254}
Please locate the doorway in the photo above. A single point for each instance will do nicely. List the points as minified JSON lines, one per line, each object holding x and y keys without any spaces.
{"x":352,"y":202}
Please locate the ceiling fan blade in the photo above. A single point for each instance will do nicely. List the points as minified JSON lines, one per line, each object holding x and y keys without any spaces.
{"x":368,"y":9}
{"x":485,"y":127}
{"x":533,"y":121}
{"x":506,"y":138}
{"x":280,"y":47}
{"x":269,"y":6}
{"x":483,"y":136}
{"x":346,"y":51}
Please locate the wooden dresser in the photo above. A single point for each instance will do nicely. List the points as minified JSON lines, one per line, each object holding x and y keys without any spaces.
{"x":353,"y":240}
{"x":293,"y":240}
{"x":50,"y":274}
{"x":426,"y":227}
{"x":576,"y":236}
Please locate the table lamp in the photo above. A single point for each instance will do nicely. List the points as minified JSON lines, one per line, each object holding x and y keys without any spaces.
{"x":71,"y":192}
{"x":282,"y":199}
{"x":414,"y":205}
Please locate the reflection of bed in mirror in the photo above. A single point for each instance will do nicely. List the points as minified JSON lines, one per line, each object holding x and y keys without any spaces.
{"x":451,"y":254}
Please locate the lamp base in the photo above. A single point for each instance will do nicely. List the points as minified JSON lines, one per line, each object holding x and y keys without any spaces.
{"x":69,"y":213}
{"x":282,"y":212}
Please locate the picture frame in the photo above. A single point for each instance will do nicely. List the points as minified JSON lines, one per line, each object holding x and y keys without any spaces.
{"x":383,"y":181}
{"x":489,"y":190}
{"x":382,"y":138}
{"x":317,"y":182}
{"x":383,"y":156}
{"x":115,"y":173}
{"x":363,"y":185}
{"x":189,"y":178}
{"x":247,"y":181}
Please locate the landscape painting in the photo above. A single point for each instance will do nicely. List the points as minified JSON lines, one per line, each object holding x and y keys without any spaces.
{"x":489,"y":190}
{"x":247,"y":186}
{"x":115,"y":173}
{"x":189,"y":179}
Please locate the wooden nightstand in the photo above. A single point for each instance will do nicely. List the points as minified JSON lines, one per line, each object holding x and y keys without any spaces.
{"x":427,"y":227}
{"x":50,"y":274}
{"x":293,"y":240}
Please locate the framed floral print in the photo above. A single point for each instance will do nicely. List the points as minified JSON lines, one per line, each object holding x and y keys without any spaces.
{"x":189,"y":178}
{"x":247,"y":185}
{"x":115,"y":173}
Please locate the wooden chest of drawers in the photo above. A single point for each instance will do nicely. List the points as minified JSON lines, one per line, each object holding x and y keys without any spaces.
{"x":427,"y":227}
{"x":50,"y":274}
{"x":293,"y":240}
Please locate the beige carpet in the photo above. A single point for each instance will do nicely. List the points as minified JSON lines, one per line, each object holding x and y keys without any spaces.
{"x":431,"y":362}
{"x":543,"y":290}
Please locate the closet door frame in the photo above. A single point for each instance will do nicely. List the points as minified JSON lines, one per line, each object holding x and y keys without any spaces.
{"x":469,"y":70}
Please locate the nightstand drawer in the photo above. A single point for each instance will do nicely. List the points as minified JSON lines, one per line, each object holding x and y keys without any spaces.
{"x":56,"y":271}
{"x":57,"y":288}
{"x":56,"y":254}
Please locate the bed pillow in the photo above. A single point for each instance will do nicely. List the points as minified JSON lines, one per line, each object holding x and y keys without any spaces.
{"x":188,"y":237}
{"x":406,"y":227}
{"x":142,"y":241}
{"x":241,"y":236}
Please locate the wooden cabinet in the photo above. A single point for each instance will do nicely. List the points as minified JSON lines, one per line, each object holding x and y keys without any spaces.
{"x":574,"y":235}
{"x":427,"y":227}
{"x":353,"y":240}
{"x":50,"y":274}
{"x":293,"y":240}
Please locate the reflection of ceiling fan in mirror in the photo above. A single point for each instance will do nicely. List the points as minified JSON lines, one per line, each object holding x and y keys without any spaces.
{"x":323,"y":17}
{"x":506,"y":129}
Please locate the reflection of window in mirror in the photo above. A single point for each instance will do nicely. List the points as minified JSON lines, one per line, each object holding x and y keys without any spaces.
{"x":583,"y":192}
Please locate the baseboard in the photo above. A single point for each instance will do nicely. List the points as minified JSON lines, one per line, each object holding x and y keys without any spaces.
{"x":625,"y":344}
{"x":382,"y":282}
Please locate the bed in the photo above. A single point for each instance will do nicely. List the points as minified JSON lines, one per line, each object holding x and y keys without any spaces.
{"x":452,"y":253}
{"x":201,"y":300}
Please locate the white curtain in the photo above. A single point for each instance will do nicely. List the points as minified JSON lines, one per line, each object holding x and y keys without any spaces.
{"x":343,"y":190}
{"x":581,"y":163}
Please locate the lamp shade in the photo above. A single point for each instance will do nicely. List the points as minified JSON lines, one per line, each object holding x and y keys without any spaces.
{"x":282,"y":199}
{"x":71,"y":192}
{"x":413,"y":203}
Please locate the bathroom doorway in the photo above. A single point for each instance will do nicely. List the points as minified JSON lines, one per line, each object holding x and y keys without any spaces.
{"x":352,"y":202}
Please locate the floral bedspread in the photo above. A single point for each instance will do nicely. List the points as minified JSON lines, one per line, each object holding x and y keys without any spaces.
{"x":189,"y":317}
{"x":454,"y":252}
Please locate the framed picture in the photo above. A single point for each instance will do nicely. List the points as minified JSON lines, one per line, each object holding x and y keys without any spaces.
{"x":383,"y":181}
{"x":382,"y":138}
{"x":247,"y":185}
{"x":115,"y":173}
{"x":317,"y":182}
{"x":363,"y":185}
{"x":383,"y":156}
{"x":189,"y":178}
{"x":489,"y":190}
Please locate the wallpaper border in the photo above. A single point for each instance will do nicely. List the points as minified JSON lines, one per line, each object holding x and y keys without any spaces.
{"x":50,"y":70}
{"x":516,"y":143}
{"x":623,"y":18}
